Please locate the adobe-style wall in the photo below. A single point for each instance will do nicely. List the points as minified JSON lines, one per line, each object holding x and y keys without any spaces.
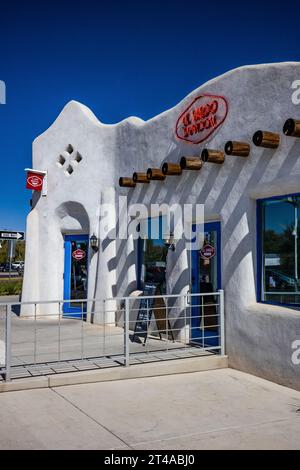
{"x":258,"y":337}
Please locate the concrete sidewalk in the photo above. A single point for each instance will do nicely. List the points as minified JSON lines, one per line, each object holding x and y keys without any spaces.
{"x":220,"y":409}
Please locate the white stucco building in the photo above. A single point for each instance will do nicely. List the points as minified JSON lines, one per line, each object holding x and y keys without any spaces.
{"x":85,"y":158}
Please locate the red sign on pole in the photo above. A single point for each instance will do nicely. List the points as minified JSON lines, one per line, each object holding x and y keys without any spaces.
{"x":202,"y":117}
{"x":34,"y":181}
{"x":207,"y":251}
{"x":78,"y":254}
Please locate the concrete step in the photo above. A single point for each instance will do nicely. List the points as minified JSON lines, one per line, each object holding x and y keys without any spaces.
{"x":178,"y":366}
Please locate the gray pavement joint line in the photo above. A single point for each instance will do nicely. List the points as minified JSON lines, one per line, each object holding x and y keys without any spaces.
{"x":91,"y":418}
{"x":225,"y":429}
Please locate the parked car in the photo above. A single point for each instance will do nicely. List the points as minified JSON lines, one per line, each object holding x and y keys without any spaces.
{"x":4,"y":267}
{"x":21,"y":270}
{"x":17,"y":265}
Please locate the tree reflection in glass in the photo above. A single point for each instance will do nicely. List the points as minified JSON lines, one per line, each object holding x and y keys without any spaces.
{"x":280,"y":244}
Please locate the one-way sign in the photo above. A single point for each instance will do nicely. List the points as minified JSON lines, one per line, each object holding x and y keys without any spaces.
{"x":5,"y":235}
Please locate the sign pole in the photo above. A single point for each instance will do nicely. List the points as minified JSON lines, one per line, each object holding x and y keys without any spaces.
{"x":10,"y":256}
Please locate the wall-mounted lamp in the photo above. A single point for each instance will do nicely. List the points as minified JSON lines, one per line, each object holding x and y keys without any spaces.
{"x":169,"y":242}
{"x":94,"y":242}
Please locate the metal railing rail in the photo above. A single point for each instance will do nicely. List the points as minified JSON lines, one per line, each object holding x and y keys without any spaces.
{"x":193,"y":319}
{"x":80,"y":301}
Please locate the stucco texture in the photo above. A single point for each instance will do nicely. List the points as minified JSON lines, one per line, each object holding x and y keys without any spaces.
{"x":258,"y":337}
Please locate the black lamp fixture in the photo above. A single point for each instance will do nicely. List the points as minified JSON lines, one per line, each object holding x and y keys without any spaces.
{"x":169,"y":242}
{"x":94,"y":242}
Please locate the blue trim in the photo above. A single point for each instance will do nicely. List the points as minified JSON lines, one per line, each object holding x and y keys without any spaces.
{"x":217,"y":227}
{"x":194,"y":271}
{"x":272,"y":198}
{"x":140,"y":249}
{"x":67,"y":273}
{"x":208,"y":227}
{"x":68,"y":310}
{"x":197,"y":332}
{"x":259,"y":250}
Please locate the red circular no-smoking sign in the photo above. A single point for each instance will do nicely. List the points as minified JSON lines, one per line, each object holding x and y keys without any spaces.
{"x":78,"y":254}
{"x":207,"y":251}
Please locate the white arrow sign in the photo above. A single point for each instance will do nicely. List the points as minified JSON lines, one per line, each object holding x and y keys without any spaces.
{"x":5,"y":235}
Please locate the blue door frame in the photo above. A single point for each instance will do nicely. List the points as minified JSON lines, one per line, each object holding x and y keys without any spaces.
{"x":198,"y":334}
{"x":70,"y":310}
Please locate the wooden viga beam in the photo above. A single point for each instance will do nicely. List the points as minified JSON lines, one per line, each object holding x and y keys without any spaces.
{"x":191,"y":163}
{"x":292,"y":127}
{"x":266,"y":139}
{"x":237,"y":149}
{"x":213,"y":156}
{"x":155,"y":174}
{"x":171,"y":169}
{"x":140,"y":178}
{"x":125,"y":182}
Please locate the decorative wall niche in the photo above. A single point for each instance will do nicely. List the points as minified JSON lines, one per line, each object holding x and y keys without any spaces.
{"x":69,"y":159}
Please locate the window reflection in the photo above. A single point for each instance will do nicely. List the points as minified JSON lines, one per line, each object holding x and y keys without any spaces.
{"x":280,"y":250}
{"x":154,"y":251}
{"x":155,"y":256}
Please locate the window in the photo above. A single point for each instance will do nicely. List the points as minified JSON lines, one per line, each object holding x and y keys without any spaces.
{"x":152,"y":253}
{"x":278,"y":250}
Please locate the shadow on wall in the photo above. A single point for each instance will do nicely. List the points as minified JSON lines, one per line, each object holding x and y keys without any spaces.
{"x":284,"y":168}
{"x":228,"y":197}
{"x":73,"y":218}
{"x":36,"y":196}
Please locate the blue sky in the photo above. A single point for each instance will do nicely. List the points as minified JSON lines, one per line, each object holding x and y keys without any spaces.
{"x":119,"y":58}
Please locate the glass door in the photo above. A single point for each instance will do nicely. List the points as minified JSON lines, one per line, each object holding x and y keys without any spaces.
{"x":206,"y":278}
{"x":75,"y":275}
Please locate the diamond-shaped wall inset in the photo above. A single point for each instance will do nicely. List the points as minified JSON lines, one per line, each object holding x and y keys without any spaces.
{"x":70,"y":149}
{"x":61,"y":160}
{"x":78,"y":157}
{"x":69,"y":170}
{"x":69,"y":159}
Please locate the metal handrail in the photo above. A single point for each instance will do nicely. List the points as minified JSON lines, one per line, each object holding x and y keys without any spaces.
{"x":126,"y":322}
{"x":44,"y":302}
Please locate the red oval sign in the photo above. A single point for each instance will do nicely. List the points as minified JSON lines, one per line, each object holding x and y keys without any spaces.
{"x":78,"y":254}
{"x":203,"y":116}
{"x":35,"y":181}
{"x":207,"y":251}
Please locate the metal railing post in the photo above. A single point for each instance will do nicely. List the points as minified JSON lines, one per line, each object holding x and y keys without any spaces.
{"x":59,"y":332}
{"x":35,"y":336}
{"x":202,"y":321}
{"x":82,"y":333}
{"x":222,"y":320}
{"x":104,"y":327}
{"x":167,"y":324}
{"x":8,"y":344}
{"x":185,"y":322}
{"x":126,"y":333}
